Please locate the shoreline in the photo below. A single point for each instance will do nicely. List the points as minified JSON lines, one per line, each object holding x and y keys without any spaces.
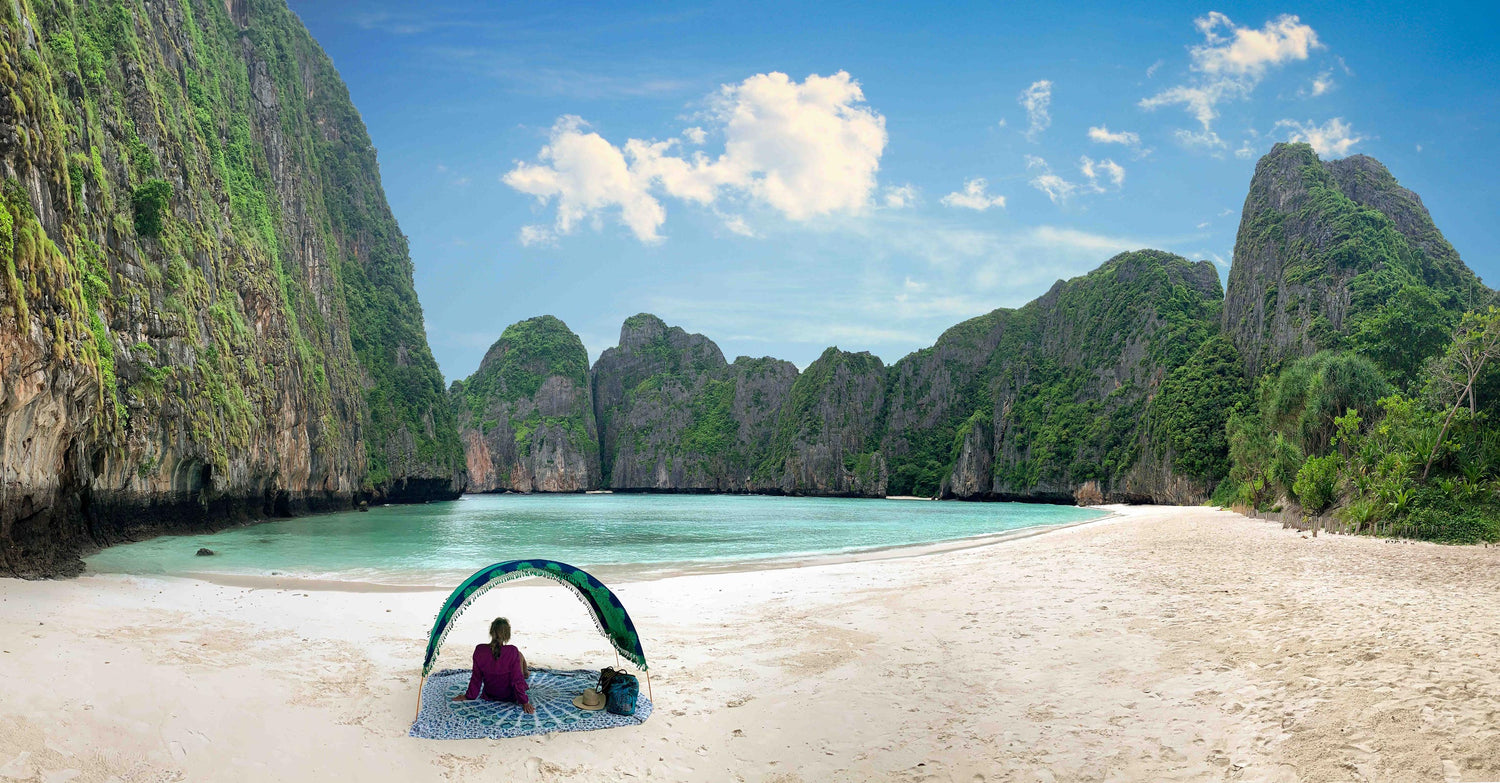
{"x":1154,"y":643}
{"x":628,"y":573}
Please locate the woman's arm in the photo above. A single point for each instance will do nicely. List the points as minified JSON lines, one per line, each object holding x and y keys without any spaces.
{"x":518,"y":681}
{"x":476,"y":681}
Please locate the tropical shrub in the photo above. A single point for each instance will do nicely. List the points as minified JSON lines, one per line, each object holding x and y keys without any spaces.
{"x":1316,"y":485}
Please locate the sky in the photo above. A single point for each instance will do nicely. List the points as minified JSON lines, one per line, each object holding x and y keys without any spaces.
{"x":783,"y":177}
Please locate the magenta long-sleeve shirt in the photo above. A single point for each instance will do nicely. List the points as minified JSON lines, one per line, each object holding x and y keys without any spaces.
{"x":500,"y":679}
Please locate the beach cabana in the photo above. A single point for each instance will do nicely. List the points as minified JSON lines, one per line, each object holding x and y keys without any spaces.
{"x":552,"y":690}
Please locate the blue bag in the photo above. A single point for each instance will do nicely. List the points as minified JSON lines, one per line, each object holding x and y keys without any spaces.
{"x":620,"y":691}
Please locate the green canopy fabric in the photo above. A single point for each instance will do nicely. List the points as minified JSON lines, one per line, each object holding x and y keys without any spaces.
{"x":609,"y":614}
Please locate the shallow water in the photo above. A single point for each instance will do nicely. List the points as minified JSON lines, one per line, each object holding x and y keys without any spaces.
{"x":406,"y":543}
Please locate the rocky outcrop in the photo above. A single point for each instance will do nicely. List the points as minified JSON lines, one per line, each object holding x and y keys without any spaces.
{"x":1061,"y":395}
{"x":526,"y":417}
{"x":207,"y":312}
{"x":1326,"y":245}
{"x":1023,"y":404}
{"x":675,"y":416}
{"x":828,"y":431}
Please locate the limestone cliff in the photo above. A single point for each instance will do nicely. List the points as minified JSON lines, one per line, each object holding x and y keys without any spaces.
{"x":207,"y":311}
{"x":1030,"y":404}
{"x":828,"y":431}
{"x":526,"y":417}
{"x":675,"y":416}
{"x":1021,"y":404}
{"x":1336,"y":254}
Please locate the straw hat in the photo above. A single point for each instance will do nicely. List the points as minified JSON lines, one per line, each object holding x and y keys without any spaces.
{"x":589,"y":700}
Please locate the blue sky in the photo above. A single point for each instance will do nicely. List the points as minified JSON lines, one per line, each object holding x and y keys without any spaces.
{"x":784,"y":177}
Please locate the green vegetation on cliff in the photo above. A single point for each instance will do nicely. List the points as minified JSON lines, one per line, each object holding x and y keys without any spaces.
{"x":1389,"y":426}
{"x":525,"y":356}
{"x":828,"y":431}
{"x":526,"y":416}
{"x":1065,"y":377}
{"x":196,"y":226}
{"x":1189,"y":416}
{"x":1338,"y":256}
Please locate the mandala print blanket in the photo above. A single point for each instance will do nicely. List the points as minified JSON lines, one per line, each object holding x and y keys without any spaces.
{"x":551,"y":690}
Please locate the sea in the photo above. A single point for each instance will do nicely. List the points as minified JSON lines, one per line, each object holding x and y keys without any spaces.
{"x":437,"y":543}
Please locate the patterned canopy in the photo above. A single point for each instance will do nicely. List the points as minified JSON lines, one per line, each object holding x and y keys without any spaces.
{"x":609,"y":614}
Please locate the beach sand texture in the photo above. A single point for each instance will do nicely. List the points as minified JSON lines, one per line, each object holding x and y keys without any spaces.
{"x":1159,"y":644}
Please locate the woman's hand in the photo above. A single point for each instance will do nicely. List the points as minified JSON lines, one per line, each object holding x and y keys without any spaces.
{"x":461,"y":697}
{"x":528,"y":708}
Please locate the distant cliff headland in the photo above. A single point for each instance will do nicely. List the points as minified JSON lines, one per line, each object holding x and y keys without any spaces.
{"x":208,"y":316}
{"x":1027,"y":404}
{"x":1142,"y":381}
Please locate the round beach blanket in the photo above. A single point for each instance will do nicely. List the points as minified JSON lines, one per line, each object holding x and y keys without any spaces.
{"x":551,"y":690}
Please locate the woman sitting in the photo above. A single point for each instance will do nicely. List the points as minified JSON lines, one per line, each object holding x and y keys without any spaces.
{"x":499,"y":670}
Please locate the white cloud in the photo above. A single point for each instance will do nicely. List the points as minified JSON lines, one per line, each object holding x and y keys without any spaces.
{"x":1103,"y":135}
{"x":1232,"y":61}
{"x":1204,"y":224}
{"x":587,"y":174}
{"x":1001,"y":123}
{"x":1245,"y":152}
{"x":1205,"y":139}
{"x":537,"y":235}
{"x":737,"y":225}
{"x":900,"y":197}
{"x":1321,"y":84}
{"x":1247,"y":52}
{"x":973,"y":196}
{"x":1200,"y":100}
{"x":1331,"y":139}
{"x":1419,"y":148}
{"x":1037,"y":100}
{"x":805,"y":150}
{"x":1106,"y":168}
{"x":1071,"y":238}
{"x":1156,"y":66}
{"x":1059,"y":189}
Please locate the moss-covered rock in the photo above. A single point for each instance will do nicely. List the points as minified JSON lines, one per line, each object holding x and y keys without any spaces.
{"x":1336,"y":255}
{"x":675,"y":416}
{"x":526,"y":417}
{"x":1034,"y":402}
{"x":207,"y":311}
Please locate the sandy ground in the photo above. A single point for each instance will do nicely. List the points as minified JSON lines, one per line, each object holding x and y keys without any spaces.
{"x":1161,"y":644}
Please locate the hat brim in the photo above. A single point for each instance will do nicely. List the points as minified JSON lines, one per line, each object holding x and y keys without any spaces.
{"x":578,"y":702}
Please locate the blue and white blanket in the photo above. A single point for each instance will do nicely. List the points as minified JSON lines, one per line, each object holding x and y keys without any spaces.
{"x":551,"y":690}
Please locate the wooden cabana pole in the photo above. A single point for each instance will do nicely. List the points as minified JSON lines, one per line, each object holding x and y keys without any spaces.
{"x":420,"y":685}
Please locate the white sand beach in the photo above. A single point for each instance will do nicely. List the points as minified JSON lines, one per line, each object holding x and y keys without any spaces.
{"x":1159,"y":644}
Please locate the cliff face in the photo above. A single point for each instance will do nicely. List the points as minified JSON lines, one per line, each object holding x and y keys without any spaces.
{"x":674,"y":415}
{"x":1063,"y":394}
{"x":1329,"y":255}
{"x":526,"y":417}
{"x":207,"y":311}
{"x":828,"y":431}
{"x":1020,"y":404}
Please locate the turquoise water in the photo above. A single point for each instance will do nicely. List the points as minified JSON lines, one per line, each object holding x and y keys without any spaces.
{"x":414,"y":543}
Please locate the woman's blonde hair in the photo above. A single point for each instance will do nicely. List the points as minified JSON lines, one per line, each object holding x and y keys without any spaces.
{"x":499,"y":635}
